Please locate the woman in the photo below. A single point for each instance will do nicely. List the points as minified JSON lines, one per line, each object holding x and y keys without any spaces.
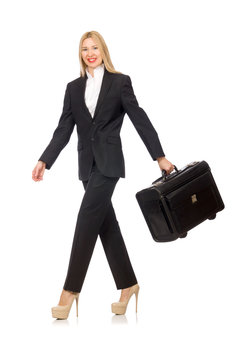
{"x":97,"y":102}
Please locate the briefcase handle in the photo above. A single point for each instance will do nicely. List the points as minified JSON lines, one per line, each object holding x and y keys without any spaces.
{"x":164,"y":174}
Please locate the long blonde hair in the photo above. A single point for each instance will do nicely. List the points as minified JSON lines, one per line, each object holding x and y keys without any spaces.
{"x":103,"y":50}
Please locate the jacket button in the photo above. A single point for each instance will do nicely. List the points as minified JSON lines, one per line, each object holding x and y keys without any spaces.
{"x":93,"y":122}
{"x":92,"y":138}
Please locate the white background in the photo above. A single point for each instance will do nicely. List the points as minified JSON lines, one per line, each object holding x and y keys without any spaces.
{"x":182,"y":58}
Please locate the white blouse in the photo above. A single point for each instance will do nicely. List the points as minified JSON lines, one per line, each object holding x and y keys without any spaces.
{"x":93,"y":86}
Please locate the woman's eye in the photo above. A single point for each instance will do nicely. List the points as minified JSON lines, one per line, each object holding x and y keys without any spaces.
{"x":95,"y":47}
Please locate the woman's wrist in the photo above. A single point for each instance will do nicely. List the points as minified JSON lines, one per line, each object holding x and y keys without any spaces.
{"x":160,"y":158}
{"x":44,"y":163}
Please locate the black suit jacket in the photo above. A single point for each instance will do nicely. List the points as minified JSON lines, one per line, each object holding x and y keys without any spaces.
{"x":99,"y":136}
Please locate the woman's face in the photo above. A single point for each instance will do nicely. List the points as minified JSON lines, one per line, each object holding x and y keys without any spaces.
{"x":91,"y":51}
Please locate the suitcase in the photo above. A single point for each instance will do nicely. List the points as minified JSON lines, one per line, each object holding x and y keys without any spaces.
{"x":176,"y":203}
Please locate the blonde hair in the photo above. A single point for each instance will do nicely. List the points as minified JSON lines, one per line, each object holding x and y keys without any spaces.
{"x":106,"y":59}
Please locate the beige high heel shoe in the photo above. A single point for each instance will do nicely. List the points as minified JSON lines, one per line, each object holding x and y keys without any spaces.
{"x":62,"y":311}
{"x":119,"y":308}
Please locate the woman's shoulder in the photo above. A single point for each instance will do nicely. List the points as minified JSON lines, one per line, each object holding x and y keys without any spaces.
{"x":120,"y":74}
{"x":76,"y":81}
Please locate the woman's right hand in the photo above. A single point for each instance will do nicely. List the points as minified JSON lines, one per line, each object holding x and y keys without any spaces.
{"x":38,"y":171}
{"x":165,"y":164}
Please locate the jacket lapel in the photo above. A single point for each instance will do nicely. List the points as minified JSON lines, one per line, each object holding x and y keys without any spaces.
{"x":105,"y":86}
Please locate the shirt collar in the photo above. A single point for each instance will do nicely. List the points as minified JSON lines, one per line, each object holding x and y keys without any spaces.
{"x":98,"y":71}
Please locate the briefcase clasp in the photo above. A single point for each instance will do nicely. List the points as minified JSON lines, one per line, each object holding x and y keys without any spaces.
{"x":194,"y":198}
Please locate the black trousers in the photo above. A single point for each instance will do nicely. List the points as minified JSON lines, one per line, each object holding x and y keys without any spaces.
{"x":97,"y":217}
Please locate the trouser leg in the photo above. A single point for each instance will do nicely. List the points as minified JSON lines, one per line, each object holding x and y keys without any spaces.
{"x":116,"y":252}
{"x":93,"y":209}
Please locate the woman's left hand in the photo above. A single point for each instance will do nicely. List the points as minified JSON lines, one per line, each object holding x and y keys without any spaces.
{"x":165,"y":164}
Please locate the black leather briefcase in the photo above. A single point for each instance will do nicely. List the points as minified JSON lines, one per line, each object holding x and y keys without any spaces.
{"x":178,"y":202}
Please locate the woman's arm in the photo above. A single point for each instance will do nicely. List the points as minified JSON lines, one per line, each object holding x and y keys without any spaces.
{"x":61,"y":134}
{"x":140,"y":120}
{"x":143,"y":125}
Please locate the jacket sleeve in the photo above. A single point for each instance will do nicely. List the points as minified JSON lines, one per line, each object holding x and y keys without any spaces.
{"x":140,"y":120}
{"x":61,"y":134}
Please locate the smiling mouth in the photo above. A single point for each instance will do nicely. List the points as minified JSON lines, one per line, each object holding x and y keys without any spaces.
{"x":92,"y":60}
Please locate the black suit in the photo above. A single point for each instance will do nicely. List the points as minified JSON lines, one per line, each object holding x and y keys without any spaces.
{"x":101,"y":164}
{"x":99,"y":137}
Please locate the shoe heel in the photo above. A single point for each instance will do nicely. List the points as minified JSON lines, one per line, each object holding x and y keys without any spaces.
{"x":136,"y":295}
{"x":77,"y":303}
